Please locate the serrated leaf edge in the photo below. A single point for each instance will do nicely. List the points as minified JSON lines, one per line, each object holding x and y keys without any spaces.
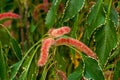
{"x":92,"y":33}
{"x":49,"y":11}
{"x":96,"y":44}
{"x":98,"y":66}
{"x":74,"y":14}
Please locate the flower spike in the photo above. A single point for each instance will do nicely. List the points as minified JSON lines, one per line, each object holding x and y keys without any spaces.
{"x":9,"y":15}
{"x":46,"y":44}
{"x":59,"y":32}
{"x":77,"y":44}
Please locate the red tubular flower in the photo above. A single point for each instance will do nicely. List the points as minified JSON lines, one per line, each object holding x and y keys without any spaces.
{"x":45,"y":50}
{"x":9,"y":15}
{"x":59,"y":32}
{"x":77,"y":44}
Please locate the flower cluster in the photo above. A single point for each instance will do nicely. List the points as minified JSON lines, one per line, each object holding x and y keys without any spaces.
{"x":55,"y":33}
{"x":62,"y":74}
{"x":9,"y":15}
{"x":58,"y":32}
{"x":44,"y":6}
{"x":77,"y":44}
{"x":46,"y":44}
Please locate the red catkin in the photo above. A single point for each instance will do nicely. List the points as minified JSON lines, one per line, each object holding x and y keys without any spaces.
{"x":45,"y":1}
{"x":44,"y":6}
{"x":77,"y":44}
{"x":62,"y":74}
{"x":58,"y":32}
{"x":46,"y":44}
{"x":9,"y":15}
{"x":7,"y":23}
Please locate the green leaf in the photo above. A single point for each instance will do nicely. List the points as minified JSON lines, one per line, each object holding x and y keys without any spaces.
{"x":27,"y":64}
{"x":59,"y":58}
{"x":44,"y":73}
{"x":96,"y":15}
{"x":14,"y":73}
{"x":106,"y":40}
{"x":113,"y":14}
{"x":52,"y":14}
{"x":75,"y":27}
{"x":16,"y":48}
{"x":95,"y":18}
{"x":77,"y":74}
{"x":32,"y":28}
{"x":3,"y":66}
{"x":92,"y":69}
{"x":115,"y":53}
{"x":4,"y":37}
{"x":72,"y":8}
{"x":116,"y":75}
{"x":14,"y":69}
{"x":2,"y":5}
{"x":33,"y":71}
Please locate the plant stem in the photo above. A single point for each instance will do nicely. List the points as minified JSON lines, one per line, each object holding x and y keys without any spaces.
{"x":22,"y":39}
{"x":27,"y":24}
{"x":21,"y":27}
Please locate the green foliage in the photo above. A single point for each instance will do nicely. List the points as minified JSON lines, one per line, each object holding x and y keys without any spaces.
{"x":72,"y":8}
{"x":107,"y":36}
{"x":94,"y":22}
{"x":4,"y":37}
{"x":96,"y":17}
{"x":116,"y":75}
{"x":14,"y":69}
{"x":16,"y":48}
{"x":3,"y":65}
{"x":27,"y":66}
{"x":77,"y":74}
{"x":52,"y":14}
{"x":92,"y":69}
